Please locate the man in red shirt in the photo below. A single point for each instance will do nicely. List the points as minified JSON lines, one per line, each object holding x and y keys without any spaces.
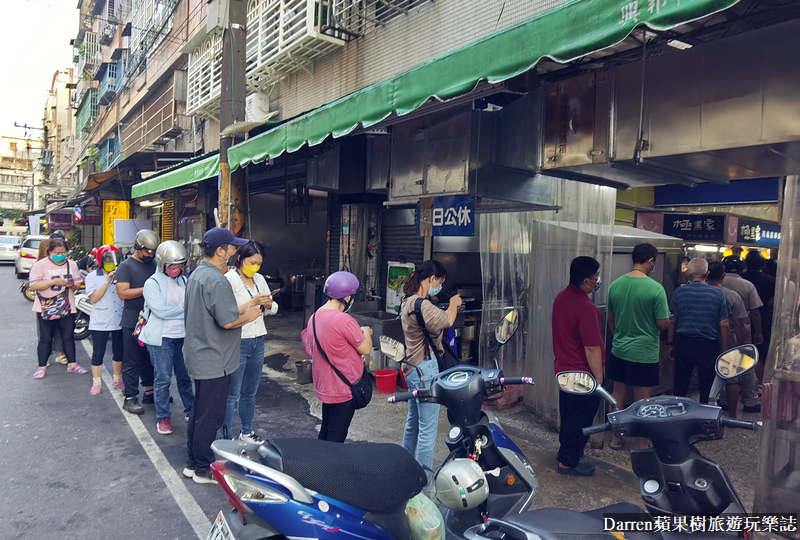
{"x":578,"y":346}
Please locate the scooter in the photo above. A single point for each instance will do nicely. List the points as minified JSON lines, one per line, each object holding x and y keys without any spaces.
{"x":84,"y":307}
{"x":316,"y":489}
{"x":674,"y":477}
{"x":27,"y":292}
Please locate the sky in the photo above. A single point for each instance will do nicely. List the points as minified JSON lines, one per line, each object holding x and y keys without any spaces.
{"x":34,"y":37}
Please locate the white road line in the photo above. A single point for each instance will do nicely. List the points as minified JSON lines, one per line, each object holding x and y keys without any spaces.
{"x":188,"y":505}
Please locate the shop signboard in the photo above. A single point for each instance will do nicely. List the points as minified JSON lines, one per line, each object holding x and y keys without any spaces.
{"x":113,"y":210}
{"x":90,"y":215}
{"x":701,"y":228}
{"x":60,"y":221}
{"x":452,"y":215}
{"x":753,"y":232}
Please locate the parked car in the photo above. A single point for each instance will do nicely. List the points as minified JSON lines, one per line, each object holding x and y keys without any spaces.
{"x":27,"y":253}
{"x":9,"y":245}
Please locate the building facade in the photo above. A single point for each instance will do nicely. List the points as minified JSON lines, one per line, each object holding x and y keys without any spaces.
{"x":19,"y":172}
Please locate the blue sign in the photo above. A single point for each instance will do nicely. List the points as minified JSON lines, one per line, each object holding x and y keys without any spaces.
{"x":452,"y":215}
{"x":758,"y":233}
{"x":705,"y":228}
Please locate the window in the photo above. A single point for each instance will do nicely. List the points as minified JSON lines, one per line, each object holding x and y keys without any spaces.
{"x":32,"y":244}
{"x":12,"y":146}
{"x":9,"y":240}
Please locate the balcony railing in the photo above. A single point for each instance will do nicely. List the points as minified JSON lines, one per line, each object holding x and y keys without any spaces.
{"x":108,"y":83}
{"x":353,"y":18}
{"x":87,"y":112}
{"x":109,"y":154}
{"x":88,"y":52}
{"x":161,"y":119}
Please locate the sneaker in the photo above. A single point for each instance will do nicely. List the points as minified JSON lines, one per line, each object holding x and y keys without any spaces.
{"x":164,"y":426}
{"x":96,"y":389}
{"x":251,"y":438}
{"x":204,"y":476}
{"x":752,"y":408}
{"x":119,"y":385}
{"x":581,"y":469}
{"x":149,"y":399}
{"x":132,"y":406}
{"x":188,"y":469}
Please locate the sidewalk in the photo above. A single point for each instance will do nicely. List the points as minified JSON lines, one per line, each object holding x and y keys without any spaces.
{"x":613,"y":482}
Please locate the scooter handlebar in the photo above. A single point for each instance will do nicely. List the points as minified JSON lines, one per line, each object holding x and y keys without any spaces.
{"x":405,"y":396}
{"x":740,"y":424}
{"x":516,"y":380}
{"x":591,"y":430}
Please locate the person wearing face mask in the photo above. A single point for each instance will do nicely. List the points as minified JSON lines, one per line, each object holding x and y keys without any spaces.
{"x":422,"y":422}
{"x":637,"y":313}
{"x":211,"y":347}
{"x":578,"y":346}
{"x":130,"y":279}
{"x":55,"y":280}
{"x":105,"y":320}
{"x":250,"y":288}
{"x":343,"y":343}
{"x":164,"y":333}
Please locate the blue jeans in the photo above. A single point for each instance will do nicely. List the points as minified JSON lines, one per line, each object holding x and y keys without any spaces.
{"x":244,"y":385}
{"x":422,"y":424}
{"x":166,"y":358}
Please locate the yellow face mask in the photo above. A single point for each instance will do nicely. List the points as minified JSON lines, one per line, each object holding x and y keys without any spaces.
{"x":109,"y":267}
{"x":250,"y":269}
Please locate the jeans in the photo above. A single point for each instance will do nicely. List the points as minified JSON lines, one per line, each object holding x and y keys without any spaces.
{"x":65,"y":327}
{"x":693,"y":352}
{"x":166,"y":358}
{"x":577,"y":412}
{"x":99,"y":343}
{"x":205,"y":419}
{"x":336,"y":418}
{"x":244,"y":385}
{"x":422,"y":423}
{"x":135,"y":363}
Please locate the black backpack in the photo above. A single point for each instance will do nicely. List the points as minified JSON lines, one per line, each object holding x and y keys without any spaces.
{"x":446,"y":360}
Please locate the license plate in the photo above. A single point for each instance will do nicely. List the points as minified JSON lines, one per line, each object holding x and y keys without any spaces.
{"x":220,"y":530}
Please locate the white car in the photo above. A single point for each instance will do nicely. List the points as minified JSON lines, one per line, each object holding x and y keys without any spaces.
{"x":27,"y":254}
{"x":8,"y":248}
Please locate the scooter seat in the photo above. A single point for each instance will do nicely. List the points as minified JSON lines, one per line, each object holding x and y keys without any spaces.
{"x":562,"y":524}
{"x":373,"y":477}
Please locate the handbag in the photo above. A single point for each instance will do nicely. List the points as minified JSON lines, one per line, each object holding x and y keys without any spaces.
{"x":445,"y":361}
{"x":56,"y":307}
{"x":362,"y":388}
{"x":141,"y":322}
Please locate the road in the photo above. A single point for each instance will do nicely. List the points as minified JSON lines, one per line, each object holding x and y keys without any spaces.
{"x":76,"y":466}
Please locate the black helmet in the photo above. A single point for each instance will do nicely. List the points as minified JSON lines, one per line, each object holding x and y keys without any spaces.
{"x":733,"y":264}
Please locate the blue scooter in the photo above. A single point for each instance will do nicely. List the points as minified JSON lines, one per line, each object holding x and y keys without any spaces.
{"x":307,"y":488}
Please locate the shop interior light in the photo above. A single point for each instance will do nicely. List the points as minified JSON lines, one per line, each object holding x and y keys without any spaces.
{"x":705,"y":248}
{"x":680,"y":45}
{"x":146,"y":204}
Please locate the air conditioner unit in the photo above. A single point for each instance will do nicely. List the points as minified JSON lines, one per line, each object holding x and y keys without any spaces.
{"x":256,"y":107}
{"x":217,"y":18}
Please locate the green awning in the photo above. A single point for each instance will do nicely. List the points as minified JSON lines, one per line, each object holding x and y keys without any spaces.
{"x":180,"y":175}
{"x":563,"y":34}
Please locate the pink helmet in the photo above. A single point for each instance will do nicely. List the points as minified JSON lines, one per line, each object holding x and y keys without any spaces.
{"x":341,"y":284}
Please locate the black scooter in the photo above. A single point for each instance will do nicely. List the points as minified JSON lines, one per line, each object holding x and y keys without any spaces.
{"x":674,"y":477}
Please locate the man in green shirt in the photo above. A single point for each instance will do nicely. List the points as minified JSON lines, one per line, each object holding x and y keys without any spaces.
{"x":637,"y":313}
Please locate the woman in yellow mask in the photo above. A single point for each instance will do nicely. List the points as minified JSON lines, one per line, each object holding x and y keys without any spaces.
{"x":250,"y":288}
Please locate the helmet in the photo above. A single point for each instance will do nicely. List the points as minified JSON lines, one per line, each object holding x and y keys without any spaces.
{"x":733,"y":264}
{"x":111,"y":256}
{"x":86,"y":263}
{"x":460,"y":484}
{"x":341,"y":284}
{"x":94,"y":252}
{"x":170,"y":252}
{"x":102,"y":250}
{"x":146,"y":239}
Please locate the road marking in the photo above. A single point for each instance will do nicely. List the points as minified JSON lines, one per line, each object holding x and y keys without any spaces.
{"x":188,"y":505}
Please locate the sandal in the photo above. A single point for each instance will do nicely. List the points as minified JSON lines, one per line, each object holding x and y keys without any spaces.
{"x":78,"y":370}
{"x":617,"y":446}
{"x":40,"y":373}
{"x":62,"y":359}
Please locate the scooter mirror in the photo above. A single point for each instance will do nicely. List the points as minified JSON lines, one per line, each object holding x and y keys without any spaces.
{"x":576,"y":382}
{"x":736,"y":361}
{"x":506,"y":327}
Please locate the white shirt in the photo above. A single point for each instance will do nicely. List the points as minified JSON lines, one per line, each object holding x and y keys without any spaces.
{"x":244,"y":294}
{"x":174,"y":328}
{"x":107,"y":312}
{"x":747,"y":291}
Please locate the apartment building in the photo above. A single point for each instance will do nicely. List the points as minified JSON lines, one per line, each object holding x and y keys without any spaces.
{"x":19,"y":172}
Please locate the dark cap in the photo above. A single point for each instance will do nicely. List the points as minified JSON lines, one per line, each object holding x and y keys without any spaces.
{"x":218,"y":236}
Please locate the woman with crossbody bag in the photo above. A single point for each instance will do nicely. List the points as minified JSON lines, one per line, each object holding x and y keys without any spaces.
{"x":250,"y":288}
{"x":334,"y":340}
{"x":423,"y":346}
{"x":55,"y":280}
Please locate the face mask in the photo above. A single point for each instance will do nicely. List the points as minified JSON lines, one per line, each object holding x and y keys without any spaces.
{"x":250,"y":269}
{"x":109,"y":267}
{"x":59,"y":258}
{"x":433,"y":291}
{"x":146,"y":258}
{"x":599,"y":283}
{"x":174,"y":271}
{"x":650,"y":273}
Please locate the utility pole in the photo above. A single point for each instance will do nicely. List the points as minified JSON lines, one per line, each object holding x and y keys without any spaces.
{"x":232,"y":192}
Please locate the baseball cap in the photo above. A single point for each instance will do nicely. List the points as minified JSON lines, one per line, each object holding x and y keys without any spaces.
{"x":219,"y":237}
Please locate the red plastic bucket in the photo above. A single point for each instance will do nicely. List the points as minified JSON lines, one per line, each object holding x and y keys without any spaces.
{"x":387,"y":380}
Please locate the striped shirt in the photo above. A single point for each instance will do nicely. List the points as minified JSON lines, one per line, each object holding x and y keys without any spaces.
{"x":699,"y":308}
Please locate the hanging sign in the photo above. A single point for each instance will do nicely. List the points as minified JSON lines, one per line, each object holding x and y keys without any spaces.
{"x":695,"y":227}
{"x":452,"y":215}
{"x":753,"y":232}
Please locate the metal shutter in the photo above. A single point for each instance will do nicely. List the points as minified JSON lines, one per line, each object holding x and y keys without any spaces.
{"x":399,"y":243}
{"x":335,"y":228}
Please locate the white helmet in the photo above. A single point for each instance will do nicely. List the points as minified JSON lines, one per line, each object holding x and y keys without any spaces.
{"x":170,"y":252}
{"x":146,"y":239}
{"x":460,"y":484}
